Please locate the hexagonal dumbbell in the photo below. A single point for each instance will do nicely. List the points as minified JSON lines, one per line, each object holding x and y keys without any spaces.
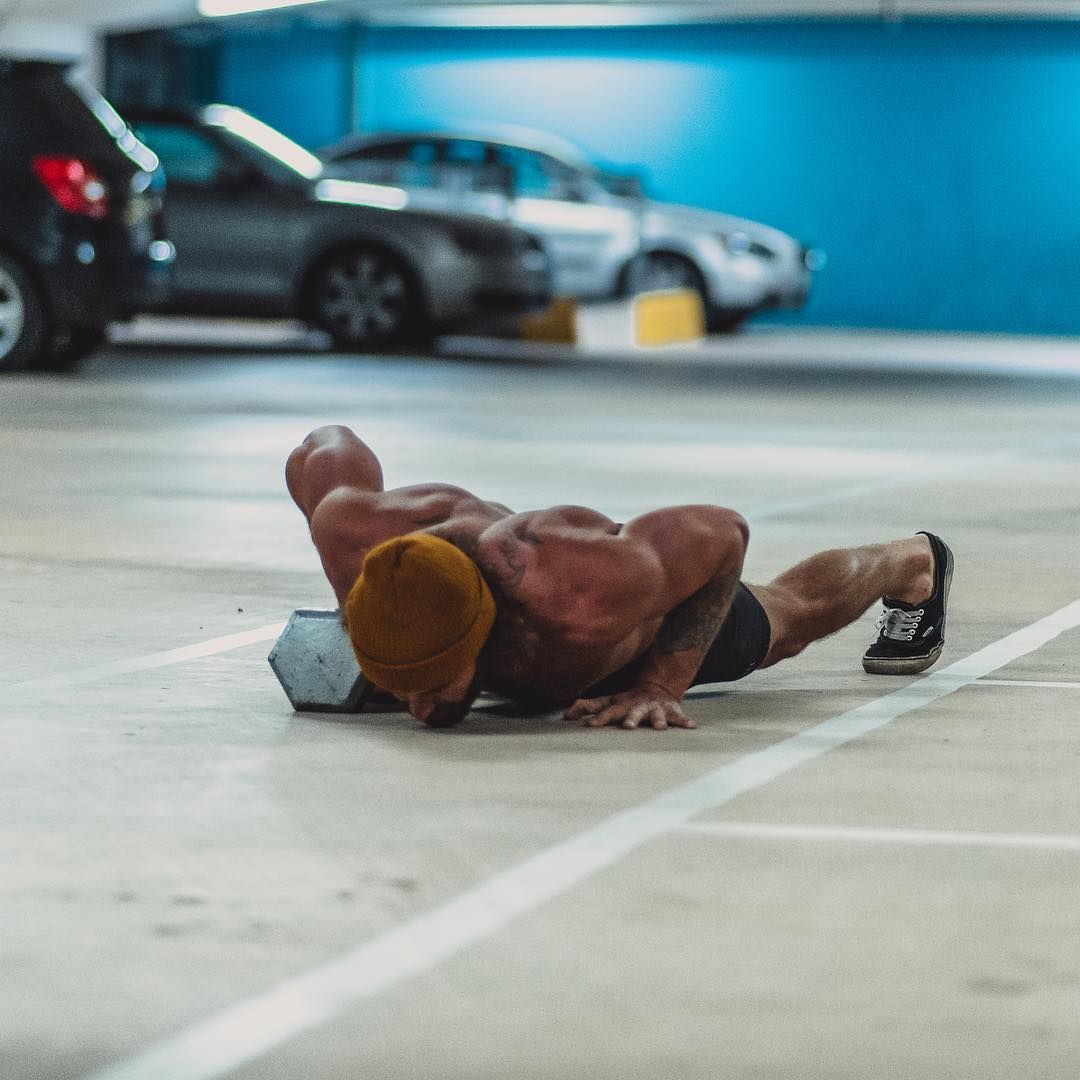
{"x":315,"y":664}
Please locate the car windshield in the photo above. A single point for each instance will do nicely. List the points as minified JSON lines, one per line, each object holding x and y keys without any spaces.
{"x":624,"y":185}
{"x":255,"y":133}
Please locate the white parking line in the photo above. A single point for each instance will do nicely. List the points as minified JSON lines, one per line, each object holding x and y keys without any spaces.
{"x":240,"y":1033}
{"x":844,"y":833}
{"x":1025,"y":682}
{"x":142,"y":663}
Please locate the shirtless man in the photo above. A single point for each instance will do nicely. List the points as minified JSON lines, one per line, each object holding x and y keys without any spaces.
{"x":445,"y":595}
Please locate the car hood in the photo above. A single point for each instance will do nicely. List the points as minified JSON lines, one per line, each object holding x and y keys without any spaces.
{"x":671,"y":217}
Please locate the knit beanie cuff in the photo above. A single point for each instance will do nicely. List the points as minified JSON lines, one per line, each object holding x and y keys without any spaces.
{"x":421,"y":676}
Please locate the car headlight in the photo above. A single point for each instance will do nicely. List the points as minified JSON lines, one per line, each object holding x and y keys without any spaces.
{"x":738,"y":242}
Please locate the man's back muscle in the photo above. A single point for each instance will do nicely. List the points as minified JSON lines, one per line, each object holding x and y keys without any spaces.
{"x":569,"y":587}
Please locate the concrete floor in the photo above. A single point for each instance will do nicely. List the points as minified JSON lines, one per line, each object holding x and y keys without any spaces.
{"x":836,"y":876}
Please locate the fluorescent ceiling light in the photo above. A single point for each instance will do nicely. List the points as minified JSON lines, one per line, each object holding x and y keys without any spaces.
{"x":244,"y":126}
{"x":529,"y":15}
{"x":495,"y":14}
{"x":615,"y":13}
{"x":217,"y":8}
{"x":354,"y":193}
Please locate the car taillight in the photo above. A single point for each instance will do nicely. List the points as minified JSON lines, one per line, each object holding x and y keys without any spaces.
{"x":75,"y":186}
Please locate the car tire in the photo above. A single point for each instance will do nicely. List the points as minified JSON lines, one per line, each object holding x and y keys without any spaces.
{"x":725,"y":320}
{"x":366,"y":299}
{"x":655,"y":270}
{"x":23,"y":319}
{"x":72,"y":346}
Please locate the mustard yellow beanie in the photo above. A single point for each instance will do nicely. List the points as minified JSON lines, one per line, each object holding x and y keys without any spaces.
{"x":418,"y":614}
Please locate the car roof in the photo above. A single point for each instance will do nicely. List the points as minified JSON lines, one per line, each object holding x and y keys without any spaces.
{"x":28,"y":63}
{"x":518,"y":137}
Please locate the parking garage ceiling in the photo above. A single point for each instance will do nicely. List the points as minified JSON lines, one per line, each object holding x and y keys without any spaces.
{"x":115,"y":14}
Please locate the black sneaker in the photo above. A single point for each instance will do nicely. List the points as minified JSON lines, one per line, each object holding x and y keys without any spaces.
{"x":911,"y":635}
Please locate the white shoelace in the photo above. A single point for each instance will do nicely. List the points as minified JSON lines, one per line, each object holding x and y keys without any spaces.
{"x":897,"y":624}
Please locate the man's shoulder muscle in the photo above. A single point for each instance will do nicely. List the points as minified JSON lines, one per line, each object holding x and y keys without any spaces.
{"x":349,"y":521}
{"x":369,"y":517}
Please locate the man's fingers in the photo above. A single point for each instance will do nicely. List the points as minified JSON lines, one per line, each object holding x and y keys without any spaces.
{"x":612,"y":714}
{"x":586,"y":707}
{"x":665,"y":716}
{"x":658,"y":716}
{"x":649,"y":713}
{"x":628,"y":713}
{"x":638,"y":713}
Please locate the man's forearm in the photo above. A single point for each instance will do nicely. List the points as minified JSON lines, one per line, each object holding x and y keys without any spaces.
{"x":685,"y":636}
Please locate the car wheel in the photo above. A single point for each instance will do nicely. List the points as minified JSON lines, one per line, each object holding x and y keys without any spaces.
{"x":22,"y":317}
{"x":366,"y":299}
{"x":657,"y":270}
{"x":65,"y":352}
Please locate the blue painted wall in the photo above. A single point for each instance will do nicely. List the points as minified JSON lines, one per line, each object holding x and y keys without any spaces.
{"x":297,"y":77}
{"x":937,"y":163}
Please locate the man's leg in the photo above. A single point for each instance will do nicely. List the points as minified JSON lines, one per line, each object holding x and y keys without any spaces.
{"x":828,"y":591}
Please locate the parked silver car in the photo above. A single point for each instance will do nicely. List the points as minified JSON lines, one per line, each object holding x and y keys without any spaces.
{"x":605,"y":238}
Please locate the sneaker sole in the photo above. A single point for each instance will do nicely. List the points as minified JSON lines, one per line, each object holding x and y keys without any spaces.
{"x":912,"y":665}
{"x":909,"y":665}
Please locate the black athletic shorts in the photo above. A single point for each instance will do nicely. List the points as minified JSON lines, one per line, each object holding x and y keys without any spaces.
{"x":738,"y":648}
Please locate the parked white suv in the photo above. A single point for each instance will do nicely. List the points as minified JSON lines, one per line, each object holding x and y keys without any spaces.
{"x":604,"y":237}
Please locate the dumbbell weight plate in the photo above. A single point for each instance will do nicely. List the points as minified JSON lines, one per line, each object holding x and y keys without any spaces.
{"x":315,"y":664}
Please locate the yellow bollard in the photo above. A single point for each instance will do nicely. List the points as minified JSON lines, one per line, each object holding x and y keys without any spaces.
{"x":556,"y":325}
{"x":664,"y":318}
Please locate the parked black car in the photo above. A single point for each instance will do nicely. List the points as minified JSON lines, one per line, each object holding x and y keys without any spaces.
{"x":81,"y":226}
{"x":261,"y":231}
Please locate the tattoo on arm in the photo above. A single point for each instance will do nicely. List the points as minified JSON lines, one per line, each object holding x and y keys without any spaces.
{"x":696,"y":621}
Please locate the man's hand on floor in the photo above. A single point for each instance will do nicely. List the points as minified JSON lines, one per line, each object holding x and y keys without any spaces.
{"x":643,"y":706}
